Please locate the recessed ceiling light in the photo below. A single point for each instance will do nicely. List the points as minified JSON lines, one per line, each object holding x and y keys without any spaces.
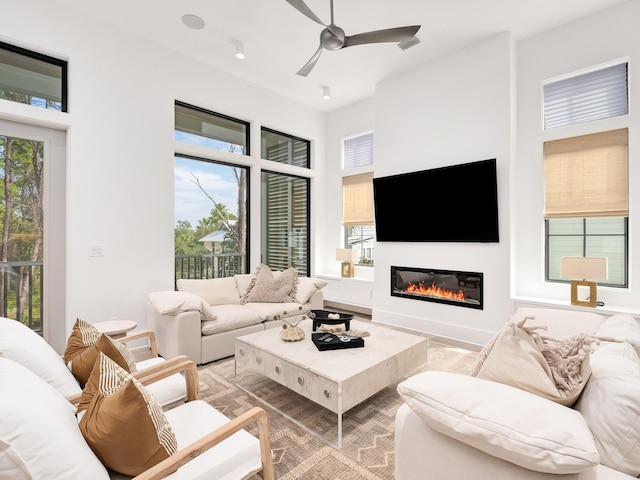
{"x":326,"y":93}
{"x":240,"y":50}
{"x":193,"y":21}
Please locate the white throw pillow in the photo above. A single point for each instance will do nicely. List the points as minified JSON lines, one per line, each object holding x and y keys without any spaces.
{"x":172,"y":303}
{"x":214,"y":291}
{"x":21,"y":344}
{"x":307,"y":286}
{"x":11,"y":464}
{"x":610,"y":404}
{"x":505,"y":422}
{"x":41,"y":426}
{"x":622,"y":326}
{"x":560,"y":323}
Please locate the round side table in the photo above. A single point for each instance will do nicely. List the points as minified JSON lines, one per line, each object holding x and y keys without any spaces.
{"x":116,"y":328}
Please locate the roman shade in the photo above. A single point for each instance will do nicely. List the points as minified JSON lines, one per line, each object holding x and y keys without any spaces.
{"x":587,"y":176}
{"x":357,"y":200}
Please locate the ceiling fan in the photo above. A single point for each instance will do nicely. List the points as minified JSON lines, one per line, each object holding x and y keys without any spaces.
{"x":333,"y":37}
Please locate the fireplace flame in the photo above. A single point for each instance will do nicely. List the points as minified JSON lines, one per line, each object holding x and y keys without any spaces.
{"x":433,"y":291}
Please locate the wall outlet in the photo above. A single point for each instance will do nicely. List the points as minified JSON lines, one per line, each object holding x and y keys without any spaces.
{"x":96,"y":251}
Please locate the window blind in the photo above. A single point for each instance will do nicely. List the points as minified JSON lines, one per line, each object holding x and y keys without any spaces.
{"x":357,"y":200}
{"x":358,"y":151}
{"x":584,"y":98}
{"x":587,"y":176}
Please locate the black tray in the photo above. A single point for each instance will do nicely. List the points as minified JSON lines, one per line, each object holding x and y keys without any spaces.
{"x":333,"y":342}
{"x":322,"y":316}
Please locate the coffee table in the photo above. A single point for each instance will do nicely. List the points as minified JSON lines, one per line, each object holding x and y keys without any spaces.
{"x":337,"y":380}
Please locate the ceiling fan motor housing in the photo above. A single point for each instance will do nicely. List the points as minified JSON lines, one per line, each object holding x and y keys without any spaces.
{"x":332,"y":38}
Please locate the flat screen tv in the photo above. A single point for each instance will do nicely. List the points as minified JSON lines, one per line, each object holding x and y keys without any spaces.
{"x":457,"y":203}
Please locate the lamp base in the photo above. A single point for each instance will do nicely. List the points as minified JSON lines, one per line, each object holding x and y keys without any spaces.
{"x":591,"y":301}
{"x":347,"y":269}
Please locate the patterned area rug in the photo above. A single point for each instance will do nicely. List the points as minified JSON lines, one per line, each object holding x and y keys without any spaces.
{"x":368,"y":441}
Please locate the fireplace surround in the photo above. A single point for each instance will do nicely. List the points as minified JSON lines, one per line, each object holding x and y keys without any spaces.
{"x":451,"y":287}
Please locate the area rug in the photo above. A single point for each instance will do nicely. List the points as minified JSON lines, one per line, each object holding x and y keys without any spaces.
{"x":368,"y":429}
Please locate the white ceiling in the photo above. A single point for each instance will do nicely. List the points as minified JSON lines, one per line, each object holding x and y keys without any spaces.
{"x":279,"y":40}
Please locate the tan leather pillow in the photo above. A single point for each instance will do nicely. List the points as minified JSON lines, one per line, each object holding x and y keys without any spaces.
{"x":123,"y":424}
{"x":82,"y":364}
{"x":83,"y":335}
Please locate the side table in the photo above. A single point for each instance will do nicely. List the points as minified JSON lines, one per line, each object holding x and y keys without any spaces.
{"x":116,"y":328}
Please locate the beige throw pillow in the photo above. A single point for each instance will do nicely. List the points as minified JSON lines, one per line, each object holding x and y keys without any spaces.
{"x":557,"y":369}
{"x":270,"y":288}
{"x":124,"y":425}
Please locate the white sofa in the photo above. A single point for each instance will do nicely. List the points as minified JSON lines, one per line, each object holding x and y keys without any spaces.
{"x":203,"y":317}
{"x":458,"y":426}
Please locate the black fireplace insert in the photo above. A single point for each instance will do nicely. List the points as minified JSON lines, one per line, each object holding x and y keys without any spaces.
{"x":452,"y":287}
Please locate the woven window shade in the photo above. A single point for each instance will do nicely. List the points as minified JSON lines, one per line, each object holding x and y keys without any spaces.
{"x":587,"y":176}
{"x":357,"y":200}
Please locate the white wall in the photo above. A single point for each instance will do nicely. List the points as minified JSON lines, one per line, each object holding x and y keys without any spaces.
{"x":454,"y":110}
{"x":583,"y":44}
{"x":120,"y":150}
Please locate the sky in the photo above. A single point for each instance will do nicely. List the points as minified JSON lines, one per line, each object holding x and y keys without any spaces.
{"x":218,"y":180}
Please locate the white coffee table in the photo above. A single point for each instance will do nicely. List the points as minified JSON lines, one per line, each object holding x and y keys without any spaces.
{"x":337,"y":380}
{"x":115,"y":328}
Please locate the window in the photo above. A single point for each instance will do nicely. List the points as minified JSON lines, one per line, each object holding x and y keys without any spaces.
{"x":586,"y":201}
{"x":211,"y":197}
{"x":594,"y":95}
{"x":282,"y":148}
{"x":357,"y":151}
{"x":285,"y":222}
{"x":32,"y":78}
{"x":357,"y":197}
{"x":202,"y":127}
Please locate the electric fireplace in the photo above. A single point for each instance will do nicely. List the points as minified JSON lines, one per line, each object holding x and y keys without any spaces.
{"x":452,"y":287}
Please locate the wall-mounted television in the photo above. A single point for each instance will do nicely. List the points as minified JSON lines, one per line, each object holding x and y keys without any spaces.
{"x":457,"y":203}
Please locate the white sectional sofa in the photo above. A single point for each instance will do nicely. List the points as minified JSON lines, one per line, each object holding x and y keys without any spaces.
{"x":203,"y":317}
{"x":459,"y":426}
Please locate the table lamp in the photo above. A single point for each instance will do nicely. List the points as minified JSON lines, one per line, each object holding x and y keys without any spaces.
{"x":592,"y":268}
{"x":347,"y":256}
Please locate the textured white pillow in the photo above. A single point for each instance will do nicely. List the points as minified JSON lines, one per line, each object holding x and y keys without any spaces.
{"x":272,"y":287}
{"x":622,"y":326}
{"x":172,"y":303}
{"x":243,"y":282}
{"x":11,"y":464}
{"x":307,"y":286}
{"x":21,"y":344}
{"x":610,"y":404}
{"x":560,"y":323}
{"x":41,"y":426}
{"x":214,"y":291}
{"x":505,"y":422}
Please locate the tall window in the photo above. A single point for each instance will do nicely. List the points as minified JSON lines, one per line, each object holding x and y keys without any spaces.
{"x":586,"y":177}
{"x":357,"y":197}
{"x":285,"y":222}
{"x":586,"y":201}
{"x":32,"y":78}
{"x":211,"y":197}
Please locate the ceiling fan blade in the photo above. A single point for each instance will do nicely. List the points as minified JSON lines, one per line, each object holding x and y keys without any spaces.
{"x":305,"y":10}
{"x":304,"y":71}
{"x":395,"y":35}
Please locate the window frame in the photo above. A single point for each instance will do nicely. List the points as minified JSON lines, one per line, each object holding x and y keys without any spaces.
{"x":63,"y":64}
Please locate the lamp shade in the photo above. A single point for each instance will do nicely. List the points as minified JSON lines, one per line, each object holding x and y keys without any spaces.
{"x":347,"y":254}
{"x":592,"y":268}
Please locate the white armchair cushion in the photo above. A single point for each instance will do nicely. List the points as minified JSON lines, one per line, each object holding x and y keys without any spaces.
{"x":236,"y":457}
{"x":307,"y":286}
{"x":41,"y":427}
{"x":172,"y":303}
{"x":21,"y":344}
{"x":506,"y":422}
{"x":214,"y":291}
{"x":610,"y":404}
